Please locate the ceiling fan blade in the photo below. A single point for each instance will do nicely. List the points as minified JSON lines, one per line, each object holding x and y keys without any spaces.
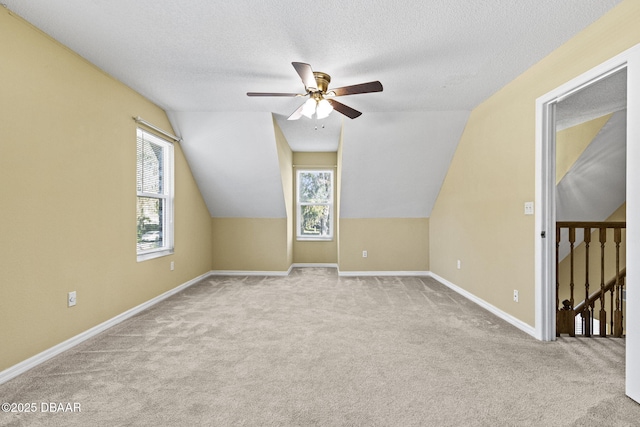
{"x":356,"y":89}
{"x":306,"y":74}
{"x":272,"y":94}
{"x":341,"y":108}
{"x":297,"y":114}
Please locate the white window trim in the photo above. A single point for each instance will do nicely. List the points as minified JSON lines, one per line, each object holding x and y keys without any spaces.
{"x":168,"y":185}
{"x":299,"y":204}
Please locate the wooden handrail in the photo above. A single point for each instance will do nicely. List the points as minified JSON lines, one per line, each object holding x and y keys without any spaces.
{"x":591,"y":224}
{"x":596,"y":295}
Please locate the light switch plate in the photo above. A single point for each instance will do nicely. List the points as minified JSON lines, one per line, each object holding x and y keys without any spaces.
{"x":71,"y":299}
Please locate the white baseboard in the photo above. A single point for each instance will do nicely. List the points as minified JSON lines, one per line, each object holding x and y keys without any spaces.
{"x":271,"y":273}
{"x":317,"y":265}
{"x":489,"y":307}
{"x":314,"y":264}
{"x":39,"y":358}
{"x":250,"y":272}
{"x":384,"y":273}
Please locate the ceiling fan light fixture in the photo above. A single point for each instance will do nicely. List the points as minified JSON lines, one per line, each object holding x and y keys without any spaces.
{"x":316,"y":85}
{"x":324,"y":109}
{"x":309,"y":108}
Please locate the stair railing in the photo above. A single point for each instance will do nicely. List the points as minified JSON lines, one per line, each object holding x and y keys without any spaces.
{"x":566,"y":314}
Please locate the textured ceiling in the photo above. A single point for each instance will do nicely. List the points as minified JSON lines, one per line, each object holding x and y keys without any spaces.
{"x":596,"y":100}
{"x":205,"y":55}
{"x":435,"y":58}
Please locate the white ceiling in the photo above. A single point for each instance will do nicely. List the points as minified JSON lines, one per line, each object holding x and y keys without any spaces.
{"x":608,"y":95}
{"x":437,"y":60}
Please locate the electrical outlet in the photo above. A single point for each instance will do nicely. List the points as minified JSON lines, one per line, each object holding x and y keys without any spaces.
{"x":515,"y":295}
{"x":528,"y":208}
{"x":172,"y":266}
{"x":71,"y":299}
{"x":364,"y":254}
{"x":459,"y":264}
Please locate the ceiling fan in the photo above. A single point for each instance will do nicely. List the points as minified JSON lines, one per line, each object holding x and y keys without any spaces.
{"x":321,"y":101}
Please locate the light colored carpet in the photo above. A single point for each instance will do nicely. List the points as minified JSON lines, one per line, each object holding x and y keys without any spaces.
{"x":317,"y":349}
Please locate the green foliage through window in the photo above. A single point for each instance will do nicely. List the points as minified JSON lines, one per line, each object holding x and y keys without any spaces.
{"x":154,"y":191}
{"x":315,"y":204}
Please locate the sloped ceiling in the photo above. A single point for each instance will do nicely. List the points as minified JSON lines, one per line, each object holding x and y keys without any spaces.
{"x":403,"y":156}
{"x":608,"y":95}
{"x":595,"y":186}
{"x":248,"y":187}
{"x":437,"y":60}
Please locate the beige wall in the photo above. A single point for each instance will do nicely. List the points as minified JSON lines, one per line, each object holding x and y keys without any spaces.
{"x":315,"y":252}
{"x":478,"y":217}
{"x":392,"y":244}
{"x":250,"y":244}
{"x":67,"y":167}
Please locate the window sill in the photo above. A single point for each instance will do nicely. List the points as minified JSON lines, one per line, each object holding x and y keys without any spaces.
{"x":151,"y":255}
{"x":314,"y":239}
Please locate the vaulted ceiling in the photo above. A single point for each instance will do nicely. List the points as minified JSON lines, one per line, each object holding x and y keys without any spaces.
{"x":437,"y":60}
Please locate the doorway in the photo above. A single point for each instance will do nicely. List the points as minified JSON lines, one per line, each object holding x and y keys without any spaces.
{"x":549,"y":109}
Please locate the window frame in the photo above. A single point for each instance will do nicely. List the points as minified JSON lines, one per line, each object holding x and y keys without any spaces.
{"x":166,"y":196}
{"x":330,"y":204}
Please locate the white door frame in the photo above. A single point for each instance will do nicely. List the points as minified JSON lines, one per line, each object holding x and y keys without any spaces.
{"x":545,"y":291}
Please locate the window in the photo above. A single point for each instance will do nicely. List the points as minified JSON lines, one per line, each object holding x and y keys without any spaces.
{"x":315,"y":204}
{"x":154,"y":183}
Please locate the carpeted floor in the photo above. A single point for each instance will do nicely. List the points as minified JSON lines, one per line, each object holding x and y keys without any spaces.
{"x":317,"y":349}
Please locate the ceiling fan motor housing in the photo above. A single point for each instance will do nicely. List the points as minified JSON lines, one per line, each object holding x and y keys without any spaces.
{"x":322,"y":80}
